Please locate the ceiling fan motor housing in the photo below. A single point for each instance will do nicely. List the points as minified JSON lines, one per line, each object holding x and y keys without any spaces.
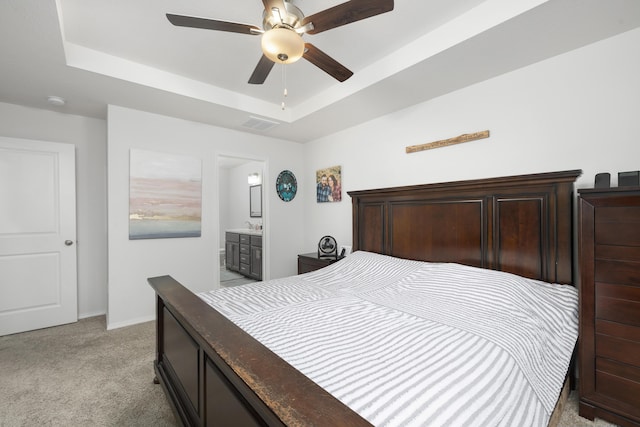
{"x":288,"y":18}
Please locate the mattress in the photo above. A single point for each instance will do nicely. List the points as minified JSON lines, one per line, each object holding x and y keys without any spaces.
{"x":409,"y":343}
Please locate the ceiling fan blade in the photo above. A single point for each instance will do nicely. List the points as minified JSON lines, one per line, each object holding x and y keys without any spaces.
{"x":212,"y":24}
{"x":346,"y":13}
{"x":326,"y":63}
{"x":262,"y":70}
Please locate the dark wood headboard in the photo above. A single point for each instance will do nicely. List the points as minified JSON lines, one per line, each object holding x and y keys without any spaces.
{"x":518,"y":224}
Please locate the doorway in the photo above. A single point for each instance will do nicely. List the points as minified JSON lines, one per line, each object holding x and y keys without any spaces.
{"x":237,"y":178}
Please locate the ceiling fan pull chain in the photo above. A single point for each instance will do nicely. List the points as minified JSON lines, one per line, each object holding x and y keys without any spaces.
{"x":284,"y":84}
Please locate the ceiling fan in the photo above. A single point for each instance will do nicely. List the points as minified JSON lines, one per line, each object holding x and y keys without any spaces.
{"x":284,"y":24}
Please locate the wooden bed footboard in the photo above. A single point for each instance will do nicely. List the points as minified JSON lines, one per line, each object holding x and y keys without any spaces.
{"x":215,"y":373}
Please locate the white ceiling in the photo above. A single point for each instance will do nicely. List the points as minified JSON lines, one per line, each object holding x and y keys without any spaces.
{"x":124,"y":52}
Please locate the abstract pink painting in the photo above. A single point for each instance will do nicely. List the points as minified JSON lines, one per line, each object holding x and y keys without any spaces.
{"x":165,"y":195}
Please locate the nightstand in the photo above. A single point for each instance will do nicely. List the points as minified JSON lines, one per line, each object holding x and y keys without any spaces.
{"x":311,"y":262}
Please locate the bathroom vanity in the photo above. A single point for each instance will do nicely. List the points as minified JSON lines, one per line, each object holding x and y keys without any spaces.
{"x":243,"y":252}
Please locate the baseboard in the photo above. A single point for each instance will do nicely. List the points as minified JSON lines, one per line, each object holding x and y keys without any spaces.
{"x":130,"y":322}
{"x":94,"y":314}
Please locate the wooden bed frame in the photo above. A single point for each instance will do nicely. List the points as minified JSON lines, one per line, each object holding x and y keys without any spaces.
{"x":215,"y":373}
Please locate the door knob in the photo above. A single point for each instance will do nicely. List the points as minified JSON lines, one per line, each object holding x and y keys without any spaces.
{"x":68,"y":242}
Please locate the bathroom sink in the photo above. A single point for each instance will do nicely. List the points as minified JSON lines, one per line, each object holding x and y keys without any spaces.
{"x":246,"y":231}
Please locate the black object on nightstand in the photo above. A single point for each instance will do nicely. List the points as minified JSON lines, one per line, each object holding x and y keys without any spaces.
{"x":311,"y":262}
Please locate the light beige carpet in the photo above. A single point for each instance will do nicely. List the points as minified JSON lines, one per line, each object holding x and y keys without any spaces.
{"x":83,"y":375}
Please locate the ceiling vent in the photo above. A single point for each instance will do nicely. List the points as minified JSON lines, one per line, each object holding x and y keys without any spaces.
{"x":257,"y":123}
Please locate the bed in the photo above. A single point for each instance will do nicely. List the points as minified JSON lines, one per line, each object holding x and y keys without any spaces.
{"x":515,"y":232}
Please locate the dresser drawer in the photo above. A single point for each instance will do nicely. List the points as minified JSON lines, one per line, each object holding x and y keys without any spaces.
{"x":256,"y":241}
{"x":244,"y":269}
{"x":618,"y":303}
{"x":311,"y":262}
{"x":625,"y":213}
{"x":245,"y":239}
{"x":232,"y":237}
{"x":614,"y":271}
{"x":618,"y":349}
{"x":245,"y":259}
{"x":620,"y":253}
{"x":618,"y":369}
{"x":619,"y":382}
{"x":630,"y":333}
{"x":618,"y":225}
{"x":245,"y":249}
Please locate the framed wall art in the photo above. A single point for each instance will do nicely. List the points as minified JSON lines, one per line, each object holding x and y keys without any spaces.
{"x":165,"y":195}
{"x":329,"y":184}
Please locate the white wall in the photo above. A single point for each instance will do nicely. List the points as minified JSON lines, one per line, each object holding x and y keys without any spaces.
{"x":90,"y":138}
{"x":192,"y":261}
{"x":579,"y":110}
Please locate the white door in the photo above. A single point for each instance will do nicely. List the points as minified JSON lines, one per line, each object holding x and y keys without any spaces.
{"x":38,"y":283}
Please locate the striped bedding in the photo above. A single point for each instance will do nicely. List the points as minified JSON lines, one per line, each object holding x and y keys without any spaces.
{"x":408,"y":343}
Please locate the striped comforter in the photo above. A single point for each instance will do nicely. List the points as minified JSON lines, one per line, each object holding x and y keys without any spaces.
{"x":411,"y":343}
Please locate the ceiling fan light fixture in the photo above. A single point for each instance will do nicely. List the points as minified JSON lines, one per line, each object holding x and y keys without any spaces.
{"x":282,"y":45}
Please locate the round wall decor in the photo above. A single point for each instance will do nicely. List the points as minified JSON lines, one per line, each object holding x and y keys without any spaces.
{"x":286,"y":185}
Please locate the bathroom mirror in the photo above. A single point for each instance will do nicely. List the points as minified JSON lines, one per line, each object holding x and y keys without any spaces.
{"x":255,"y":201}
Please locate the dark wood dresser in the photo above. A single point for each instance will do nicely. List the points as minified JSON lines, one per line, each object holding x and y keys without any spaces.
{"x":609,"y":343}
{"x":311,"y":262}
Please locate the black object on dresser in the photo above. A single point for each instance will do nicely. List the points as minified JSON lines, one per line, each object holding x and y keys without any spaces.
{"x":311,"y":262}
{"x":609,"y":343}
